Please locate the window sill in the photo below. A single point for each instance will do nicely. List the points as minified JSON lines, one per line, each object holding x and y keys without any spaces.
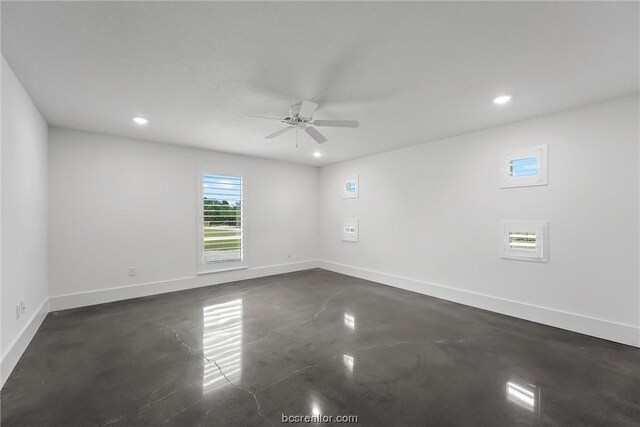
{"x":222,"y":270}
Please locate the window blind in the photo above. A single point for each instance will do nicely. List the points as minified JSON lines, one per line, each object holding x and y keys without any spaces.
{"x":524,"y":240}
{"x":222,"y":218}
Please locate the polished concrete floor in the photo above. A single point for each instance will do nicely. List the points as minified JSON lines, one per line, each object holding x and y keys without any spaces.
{"x":308,"y":343}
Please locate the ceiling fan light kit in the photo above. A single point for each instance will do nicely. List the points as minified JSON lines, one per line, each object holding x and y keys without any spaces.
{"x":301,"y":117}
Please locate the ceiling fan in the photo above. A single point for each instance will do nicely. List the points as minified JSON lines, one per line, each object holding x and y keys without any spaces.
{"x":300,"y":117}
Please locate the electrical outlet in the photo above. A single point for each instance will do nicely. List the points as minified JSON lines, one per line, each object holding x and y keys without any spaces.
{"x":23,"y":306}
{"x":289,"y":254}
{"x":18,"y":311}
{"x":132,"y":271}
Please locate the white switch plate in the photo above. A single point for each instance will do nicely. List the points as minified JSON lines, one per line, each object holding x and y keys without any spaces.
{"x":132,"y":271}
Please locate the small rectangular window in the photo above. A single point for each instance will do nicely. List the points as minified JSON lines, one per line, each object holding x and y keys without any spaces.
{"x":350,"y":188}
{"x":524,"y":167}
{"x":221,"y":223}
{"x":525,"y":240}
{"x":350,"y":230}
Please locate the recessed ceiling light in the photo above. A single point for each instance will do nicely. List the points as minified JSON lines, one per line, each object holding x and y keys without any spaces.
{"x":503,"y":99}
{"x":317,"y":154}
{"x":140,"y":120}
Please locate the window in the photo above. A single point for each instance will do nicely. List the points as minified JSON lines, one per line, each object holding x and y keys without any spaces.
{"x":350,"y":230}
{"x":522,"y":240}
{"x":221,"y":224}
{"x":525,"y":240}
{"x":350,"y":189}
{"x":524,"y":167}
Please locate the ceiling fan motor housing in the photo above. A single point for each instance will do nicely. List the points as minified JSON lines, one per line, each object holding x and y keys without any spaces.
{"x":294,"y":110}
{"x":294,"y":120}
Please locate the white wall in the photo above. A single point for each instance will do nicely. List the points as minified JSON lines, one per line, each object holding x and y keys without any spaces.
{"x":119,"y":203}
{"x":430,"y":220}
{"x":24,"y":218}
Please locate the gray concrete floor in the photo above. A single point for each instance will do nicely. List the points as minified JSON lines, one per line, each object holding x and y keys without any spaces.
{"x":310,"y":342}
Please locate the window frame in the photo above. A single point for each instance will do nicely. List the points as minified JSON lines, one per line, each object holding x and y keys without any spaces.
{"x":203,"y":267}
{"x":351,"y":194}
{"x":541,"y":228}
{"x":540,"y":178}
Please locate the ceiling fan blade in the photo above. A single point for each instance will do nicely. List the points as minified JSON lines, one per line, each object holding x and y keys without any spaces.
{"x":338,"y":123}
{"x":307,"y":109}
{"x":313,"y":133}
{"x":261,"y":117}
{"x":278,"y":133}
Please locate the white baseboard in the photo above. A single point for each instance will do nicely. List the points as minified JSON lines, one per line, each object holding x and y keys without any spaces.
{"x":15,"y":350}
{"x":82,"y":299}
{"x":600,"y":328}
{"x":618,"y":332}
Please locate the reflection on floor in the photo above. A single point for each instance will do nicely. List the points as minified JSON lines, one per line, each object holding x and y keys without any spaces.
{"x":222,"y":345}
{"x":314,"y":343}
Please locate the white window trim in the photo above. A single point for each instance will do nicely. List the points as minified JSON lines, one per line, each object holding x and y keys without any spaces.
{"x":351,"y":195}
{"x":202,"y":267}
{"x":539,"y":152}
{"x":541,"y":229}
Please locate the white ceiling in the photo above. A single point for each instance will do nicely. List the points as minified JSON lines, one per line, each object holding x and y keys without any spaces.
{"x":410,"y":72}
